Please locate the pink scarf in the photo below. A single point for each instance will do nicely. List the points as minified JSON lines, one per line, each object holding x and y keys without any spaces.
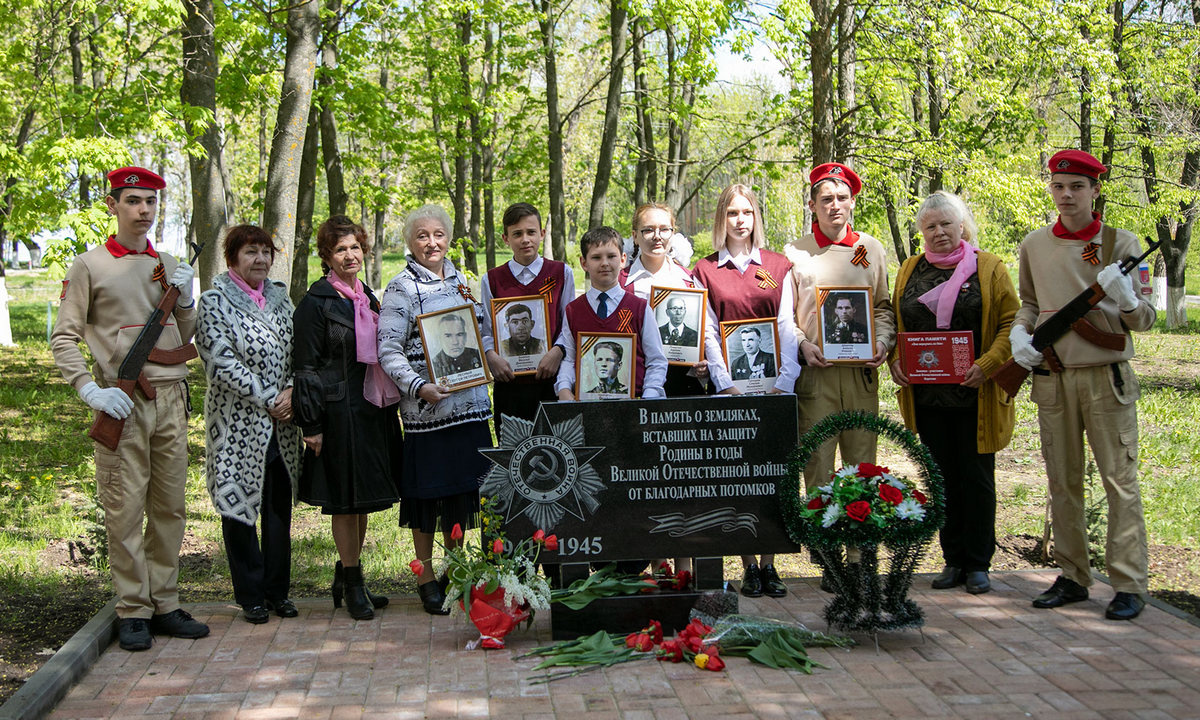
{"x":378,"y":387}
{"x":256,"y":294}
{"x":941,"y":299}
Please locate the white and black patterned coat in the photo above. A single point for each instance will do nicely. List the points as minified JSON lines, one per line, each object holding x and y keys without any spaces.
{"x":247,"y":356}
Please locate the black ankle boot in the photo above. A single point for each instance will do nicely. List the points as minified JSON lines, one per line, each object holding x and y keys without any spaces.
{"x":377,"y":601}
{"x":355,"y":594}
{"x":432,"y":598}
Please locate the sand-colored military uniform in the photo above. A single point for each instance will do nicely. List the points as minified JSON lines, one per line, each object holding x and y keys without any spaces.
{"x":1096,"y":393}
{"x":822,"y":391}
{"x":105,"y":302}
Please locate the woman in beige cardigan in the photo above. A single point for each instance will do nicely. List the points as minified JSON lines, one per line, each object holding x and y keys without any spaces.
{"x":955,"y":286}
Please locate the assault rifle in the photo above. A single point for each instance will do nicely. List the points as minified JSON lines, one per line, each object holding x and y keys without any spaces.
{"x":107,"y":429}
{"x":1010,"y":376}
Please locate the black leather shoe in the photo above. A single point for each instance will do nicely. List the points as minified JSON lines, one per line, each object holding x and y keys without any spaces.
{"x":752,"y":582}
{"x":1125,"y":606}
{"x":338,"y":589}
{"x":256,"y":615}
{"x":977,"y":582}
{"x":178,"y":623}
{"x":283,"y":608}
{"x":772,"y":585}
{"x":134,"y":634}
{"x":1063,"y":591}
{"x":949,"y":577}
{"x":432,"y":598}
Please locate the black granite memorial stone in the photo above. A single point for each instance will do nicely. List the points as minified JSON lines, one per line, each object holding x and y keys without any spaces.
{"x":628,"y":479}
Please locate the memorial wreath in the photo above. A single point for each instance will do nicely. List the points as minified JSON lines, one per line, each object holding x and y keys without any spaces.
{"x":861,"y":508}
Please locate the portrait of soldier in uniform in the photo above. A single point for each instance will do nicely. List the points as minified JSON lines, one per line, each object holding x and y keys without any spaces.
{"x":518,"y":321}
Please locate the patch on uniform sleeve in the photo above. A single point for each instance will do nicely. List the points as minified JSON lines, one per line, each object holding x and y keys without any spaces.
{"x":64,"y":290}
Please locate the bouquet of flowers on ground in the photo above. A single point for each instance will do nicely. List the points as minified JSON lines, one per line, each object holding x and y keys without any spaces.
{"x":495,"y":581}
{"x":865,"y":502}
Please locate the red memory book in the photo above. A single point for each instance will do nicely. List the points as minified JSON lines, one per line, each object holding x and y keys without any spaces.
{"x":937,"y":357}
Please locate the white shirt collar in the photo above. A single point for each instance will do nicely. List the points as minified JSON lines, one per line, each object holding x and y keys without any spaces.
{"x":534,"y":268}
{"x":741,"y":262}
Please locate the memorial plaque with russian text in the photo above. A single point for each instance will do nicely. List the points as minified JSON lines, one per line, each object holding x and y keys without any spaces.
{"x":624,"y":479}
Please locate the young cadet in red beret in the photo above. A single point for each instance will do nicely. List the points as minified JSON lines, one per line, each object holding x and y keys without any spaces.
{"x":1095,"y":392}
{"x":109,"y":293}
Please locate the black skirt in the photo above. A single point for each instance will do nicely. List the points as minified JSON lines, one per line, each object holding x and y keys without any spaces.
{"x":439,"y":485}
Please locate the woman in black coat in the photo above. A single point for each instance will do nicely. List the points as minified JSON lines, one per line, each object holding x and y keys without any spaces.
{"x":352,"y":444}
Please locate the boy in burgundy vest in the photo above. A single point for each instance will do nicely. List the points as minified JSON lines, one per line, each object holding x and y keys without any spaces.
{"x":528,"y":273}
{"x":606,"y":307}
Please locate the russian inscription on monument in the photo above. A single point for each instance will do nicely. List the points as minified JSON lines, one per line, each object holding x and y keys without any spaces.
{"x":626,"y":479}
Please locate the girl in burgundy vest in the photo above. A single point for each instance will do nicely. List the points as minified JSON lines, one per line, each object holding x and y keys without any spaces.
{"x":747,"y":281}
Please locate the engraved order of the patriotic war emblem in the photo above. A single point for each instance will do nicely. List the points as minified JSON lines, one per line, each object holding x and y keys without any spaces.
{"x":542,"y":470}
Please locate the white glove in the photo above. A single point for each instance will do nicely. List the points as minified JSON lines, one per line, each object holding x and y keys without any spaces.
{"x":1118,"y":286}
{"x":182,"y":279}
{"x":109,"y":400}
{"x":1022,"y":348}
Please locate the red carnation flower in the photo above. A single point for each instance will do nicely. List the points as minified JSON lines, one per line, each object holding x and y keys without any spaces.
{"x":858,"y":510}
{"x":890,"y":494}
{"x":816,"y":503}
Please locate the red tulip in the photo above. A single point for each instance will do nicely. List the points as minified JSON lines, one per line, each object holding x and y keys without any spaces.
{"x":539,"y":536}
{"x":715,"y":663}
{"x":816,"y":503}
{"x":655,"y":631}
{"x":456,"y":532}
{"x":631,"y":639}
{"x":551,"y":542}
{"x":497,"y":546}
{"x":858,"y":510}
{"x":670,"y":650}
{"x":417,"y":567}
{"x":643,"y":643}
{"x":683,"y":579}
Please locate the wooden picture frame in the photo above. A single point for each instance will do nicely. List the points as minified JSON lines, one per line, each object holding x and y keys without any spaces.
{"x":611,"y":375}
{"x":846,"y":319}
{"x":450,"y":357}
{"x":751,"y":349}
{"x":508,"y":315}
{"x":680,"y":314}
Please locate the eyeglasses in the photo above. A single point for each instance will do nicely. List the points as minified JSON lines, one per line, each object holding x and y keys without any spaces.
{"x":665,"y":232}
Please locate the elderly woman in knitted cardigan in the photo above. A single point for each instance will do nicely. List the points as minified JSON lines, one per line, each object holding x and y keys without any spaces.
{"x":439,"y":486}
{"x":244,"y":335}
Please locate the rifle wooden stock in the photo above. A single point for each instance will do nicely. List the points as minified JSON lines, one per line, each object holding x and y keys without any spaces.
{"x":107,"y":429}
{"x":1010,"y":377}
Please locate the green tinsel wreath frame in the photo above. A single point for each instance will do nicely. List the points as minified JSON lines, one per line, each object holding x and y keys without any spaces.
{"x":894,"y":535}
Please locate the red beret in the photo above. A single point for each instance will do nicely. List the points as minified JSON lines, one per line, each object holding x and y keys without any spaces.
{"x":137,"y":177}
{"x":1076,"y":162}
{"x":836,"y":171}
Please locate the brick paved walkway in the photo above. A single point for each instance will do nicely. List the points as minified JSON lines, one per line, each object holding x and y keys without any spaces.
{"x":978,"y":657}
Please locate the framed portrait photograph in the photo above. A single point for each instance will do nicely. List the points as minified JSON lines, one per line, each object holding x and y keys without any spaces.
{"x":454,"y":347}
{"x":679,"y":313}
{"x":604,"y":365}
{"x":847,"y":323}
{"x":521,"y":325}
{"x":751,"y":353}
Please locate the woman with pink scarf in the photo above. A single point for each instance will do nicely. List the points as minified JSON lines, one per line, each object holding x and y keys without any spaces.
{"x":346,"y":407}
{"x":954,"y":286}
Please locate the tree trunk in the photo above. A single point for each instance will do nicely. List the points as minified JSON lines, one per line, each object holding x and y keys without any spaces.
{"x":847,"y":60}
{"x":198,"y":88}
{"x":330,"y":153}
{"x":463,"y":134}
{"x":375,"y":268}
{"x":644,"y":174}
{"x":618,"y":28}
{"x":305,"y":200}
{"x":558,"y":214}
{"x":291,"y":124}
{"x":491,"y":65}
{"x":889,"y":203}
{"x":935,"y":120}
{"x":264,"y":156}
{"x":1085,"y":97}
{"x":822,"y":62}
